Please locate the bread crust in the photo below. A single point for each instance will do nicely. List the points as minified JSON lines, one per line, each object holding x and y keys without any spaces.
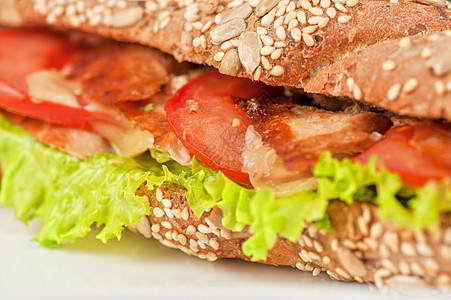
{"x":273,"y":45}
{"x":363,"y":247}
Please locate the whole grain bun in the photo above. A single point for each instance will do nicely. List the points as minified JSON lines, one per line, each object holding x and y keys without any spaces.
{"x":362,"y":247}
{"x":369,"y":50}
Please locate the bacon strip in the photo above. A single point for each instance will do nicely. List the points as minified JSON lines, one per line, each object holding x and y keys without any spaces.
{"x":299,"y":134}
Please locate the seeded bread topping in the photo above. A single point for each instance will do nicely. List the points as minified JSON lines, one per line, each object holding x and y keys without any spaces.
{"x":279,"y":42}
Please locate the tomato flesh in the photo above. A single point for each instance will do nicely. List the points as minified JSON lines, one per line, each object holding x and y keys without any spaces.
{"x":417,"y":152}
{"x":23,"y":52}
{"x":204,"y":117}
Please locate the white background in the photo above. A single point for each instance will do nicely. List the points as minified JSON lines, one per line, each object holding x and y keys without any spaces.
{"x":138,"y":268}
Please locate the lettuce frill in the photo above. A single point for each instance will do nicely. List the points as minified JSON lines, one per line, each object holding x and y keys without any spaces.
{"x":69,"y":195}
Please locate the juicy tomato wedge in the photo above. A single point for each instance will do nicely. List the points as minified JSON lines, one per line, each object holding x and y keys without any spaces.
{"x":418,"y":152}
{"x":26,"y":51}
{"x":23,"y":52}
{"x":204,"y":117}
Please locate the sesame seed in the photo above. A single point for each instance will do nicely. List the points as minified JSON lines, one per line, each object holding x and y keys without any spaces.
{"x":314,"y":256}
{"x":361,"y":222}
{"x":166,"y":202}
{"x":372,"y":243}
{"x":342,"y":273}
{"x":194,"y":248}
{"x":276,"y":54}
{"x":388,"y":264}
{"x":177,"y":213}
{"x":156,"y":236}
{"x":235,"y":123}
{"x":316,"y":11}
{"x":168,"y":244}
{"x":325,"y":3}
{"x":341,"y":8}
{"x":262,"y":30}
{"x":166,"y":224}
{"x":344,"y":19}
{"x":265,"y":62}
{"x":291,"y":7}
{"x":203,"y":229}
{"x":440,"y":88}
{"x":331,"y":12}
{"x":280,"y":11}
{"x":326,"y":260}
{"x":426,"y":53}
{"x":158,"y":195}
{"x":191,"y":229}
{"x":202,"y":237}
{"x":185,"y":214}
{"x":349,"y":244}
{"x":352,"y":3}
{"x":384,"y":251}
{"x":300,"y":266}
{"x":304,"y":255}
{"x":226,"y":234}
{"x":388,"y":65}
{"x":308,"y":39}
{"x":410,"y":85}
{"x":201,"y":244}
{"x":376,"y":230}
{"x":405,"y":42}
{"x":293,"y":24}
{"x":267,"y":40}
{"x":310,"y":29}
{"x":267,"y":50}
{"x":416,"y":269}
{"x":211,"y":256}
{"x":155,"y":228}
{"x":357,"y":92}
{"x":175,"y":236}
{"x":296,"y":34}
{"x":158,"y":212}
{"x":431,"y":264}
{"x":169,"y":213}
{"x":323,"y":22}
{"x":307,"y":241}
{"x":305,"y":4}
{"x":202,"y":256}
{"x":268,"y":18}
{"x":334,"y":244}
{"x":280,"y":33}
{"x":393,"y":92}
{"x":314,"y":20}
{"x":168,"y":235}
{"x":404,"y":267}
{"x":276,"y":71}
{"x":182,"y":239}
{"x":280,"y":44}
{"x":302,"y":17}
{"x":214,"y":244}
{"x":316,"y":271}
{"x":257,"y":74}
{"x":350,"y":83}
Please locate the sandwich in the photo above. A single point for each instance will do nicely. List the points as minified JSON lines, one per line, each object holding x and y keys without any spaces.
{"x":312,"y":134}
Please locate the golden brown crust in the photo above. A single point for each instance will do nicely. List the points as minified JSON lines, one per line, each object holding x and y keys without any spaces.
{"x":280,"y":42}
{"x":423,"y":90}
{"x":363,"y":247}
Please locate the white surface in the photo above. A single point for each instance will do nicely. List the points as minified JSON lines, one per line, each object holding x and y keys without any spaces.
{"x":136,"y":268}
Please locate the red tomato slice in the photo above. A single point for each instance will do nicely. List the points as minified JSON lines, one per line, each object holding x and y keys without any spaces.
{"x":202,"y":115}
{"x":23,"y":52}
{"x":418,"y":152}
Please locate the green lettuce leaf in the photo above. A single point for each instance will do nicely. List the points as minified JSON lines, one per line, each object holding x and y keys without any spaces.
{"x":69,"y":195}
